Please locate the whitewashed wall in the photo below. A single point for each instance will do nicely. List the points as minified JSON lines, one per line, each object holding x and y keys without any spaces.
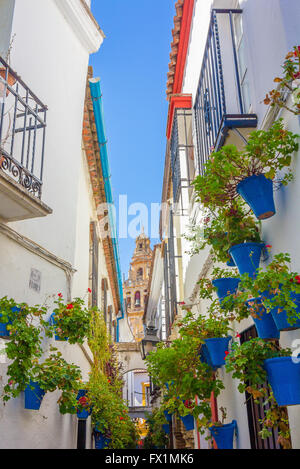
{"x":271,"y":30}
{"x":51,"y":56}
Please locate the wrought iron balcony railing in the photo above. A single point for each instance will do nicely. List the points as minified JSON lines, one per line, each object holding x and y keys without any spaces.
{"x":220,"y":104}
{"x":22,"y":131}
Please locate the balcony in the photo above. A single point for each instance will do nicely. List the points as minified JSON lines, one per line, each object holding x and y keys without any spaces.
{"x":22,"y":146}
{"x":221,"y":106}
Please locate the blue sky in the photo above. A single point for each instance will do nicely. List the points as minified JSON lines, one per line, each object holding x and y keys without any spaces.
{"x":133,"y":64}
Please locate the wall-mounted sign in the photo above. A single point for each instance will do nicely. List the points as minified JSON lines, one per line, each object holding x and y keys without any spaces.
{"x":35,"y":280}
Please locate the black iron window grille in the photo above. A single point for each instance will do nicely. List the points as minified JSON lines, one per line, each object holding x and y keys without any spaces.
{"x":22,"y":131}
{"x":216,"y":111}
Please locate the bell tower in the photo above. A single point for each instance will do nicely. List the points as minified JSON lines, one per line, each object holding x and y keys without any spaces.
{"x":136,"y":287}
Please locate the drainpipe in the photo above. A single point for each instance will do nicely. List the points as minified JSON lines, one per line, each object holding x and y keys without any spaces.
{"x":99,"y":120}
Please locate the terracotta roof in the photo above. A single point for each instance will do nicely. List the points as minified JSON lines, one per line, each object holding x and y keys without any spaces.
{"x":179,"y":45}
{"x":92,"y":151}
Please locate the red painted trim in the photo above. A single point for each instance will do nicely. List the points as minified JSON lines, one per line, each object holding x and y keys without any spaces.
{"x":186,"y":21}
{"x":214,"y":412}
{"x":197,"y":430}
{"x":183,"y":101}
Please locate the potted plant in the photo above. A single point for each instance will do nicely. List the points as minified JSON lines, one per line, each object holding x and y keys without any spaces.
{"x":83,"y":408}
{"x":264,"y":322}
{"x":288,"y":84}
{"x":229,"y":226}
{"x":71,"y":320}
{"x":249,"y":172}
{"x":222,"y":433}
{"x":33,"y":396}
{"x":8,"y":309}
{"x":279,"y":290}
{"x":226,"y":282}
{"x":256,"y":362}
{"x":212,"y":331}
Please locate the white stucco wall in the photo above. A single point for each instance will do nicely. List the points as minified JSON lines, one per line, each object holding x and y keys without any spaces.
{"x":271,"y":29}
{"x":52,"y":58}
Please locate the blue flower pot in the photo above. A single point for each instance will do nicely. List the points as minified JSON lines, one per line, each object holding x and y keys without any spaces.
{"x":226,"y":287}
{"x":284,"y":378}
{"x":230,"y":263}
{"x":205,"y":357}
{"x":188,"y":422}
{"x":257,"y":191}
{"x":166,"y":428}
{"x":53,"y":323}
{"x":33,"y":397}
{"x":247,"y":257}
{"x":281,"y":319}
{"x":265,"y":324}
{"x":168,"y":416}
{"x":4,"y":332}
{"x":84,"y":414}
{"x":217,"y":348}
{"x":223,"y":436}
{"x":101,"y":441}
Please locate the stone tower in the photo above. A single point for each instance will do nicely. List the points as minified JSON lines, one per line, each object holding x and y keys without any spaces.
{"x":136,"y":287}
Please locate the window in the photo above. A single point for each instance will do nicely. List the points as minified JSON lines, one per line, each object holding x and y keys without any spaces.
{"x":128,"y":301}
{"x":137,"y":299}
{"x":243,"y":70}
{"x":139,"y":274}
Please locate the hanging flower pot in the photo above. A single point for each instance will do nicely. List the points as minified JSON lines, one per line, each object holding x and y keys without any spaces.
{"x":4,"y":332}
{"x":101,"y":441}
{"x":224,"y":435}
{"x":257,"y":191}
{"x":284,"y":378}
{"x":217,"y":348}
{"x":188,"y":422}
{"x":81,"y":398}
{"x":205,"y":356}
{"x":166,"y":428}
{"x":225,"y":287}
{"x":53,"y":323}
{"x":230,"y":263}
{"x":264,"y":322}
{"x":280,"y":317}
{"x":247,"y":257}
{"x":33,"y":396}
{"x":168,"y":416}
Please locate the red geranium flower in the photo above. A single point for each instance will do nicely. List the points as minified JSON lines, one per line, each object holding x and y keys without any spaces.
{"x":89,"y":290}
{"x":83,"y":401}
{"x":237,"y":336}
{"x":70,"y":306}
{"x":297,"y":51}
{"x":121,"y":418}
{"x":60,"y":295}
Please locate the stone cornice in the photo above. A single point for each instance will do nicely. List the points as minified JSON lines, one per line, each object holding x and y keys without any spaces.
{"x":82,"y":22}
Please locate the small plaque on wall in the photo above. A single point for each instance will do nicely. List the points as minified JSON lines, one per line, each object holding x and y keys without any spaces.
{"x":35,"y":280}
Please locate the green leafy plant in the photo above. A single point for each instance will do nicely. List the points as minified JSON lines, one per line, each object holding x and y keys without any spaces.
{"x":23,"y":347}
{"x":71,"y":320}
{"x":109,"y":411}
{"x":56,"y":374}
{"x":230,"y":226}
{"x":202,"y":327}
{"x":288,"y":83}
{"x":179,"y":371}
{"x":274,"y":285}
{"x":246,"y":362}
{"x":266,"y":152}
{"x":156,"y":437}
